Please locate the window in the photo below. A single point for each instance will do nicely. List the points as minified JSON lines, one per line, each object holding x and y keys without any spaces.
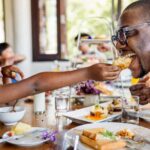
{"x":46,"y":29}
{"x":2,"y":30}
{"x":77,"y":11}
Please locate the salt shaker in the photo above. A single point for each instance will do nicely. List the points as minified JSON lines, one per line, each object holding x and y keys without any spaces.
{"x":39,"y":103}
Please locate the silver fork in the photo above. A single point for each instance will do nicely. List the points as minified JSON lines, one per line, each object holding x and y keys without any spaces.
{"x":76,"y":142}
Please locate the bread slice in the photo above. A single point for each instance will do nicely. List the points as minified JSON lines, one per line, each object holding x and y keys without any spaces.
{"x":102,"y":144}
{"x":92,"y":133}
{"x":103,"y":88}
{"x":123,"y":62}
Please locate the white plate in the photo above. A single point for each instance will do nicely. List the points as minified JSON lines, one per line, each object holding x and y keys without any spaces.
{"x":32,"y":138}
{"x":79,"y":115}
{"x":111,"y":126}
{"x":145,"y":114}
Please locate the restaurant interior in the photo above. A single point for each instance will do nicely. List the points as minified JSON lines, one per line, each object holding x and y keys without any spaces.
{"x":62,"y":36}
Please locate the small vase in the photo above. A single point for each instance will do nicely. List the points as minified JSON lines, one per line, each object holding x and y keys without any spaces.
{"x":91,"y":100}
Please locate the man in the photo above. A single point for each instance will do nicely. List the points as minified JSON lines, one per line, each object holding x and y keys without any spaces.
{"x":133,"y":36}
{"x":46,"y":81}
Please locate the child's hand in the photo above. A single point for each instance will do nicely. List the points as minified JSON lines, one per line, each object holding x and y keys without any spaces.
{"x":11,"y":71}
{"x":104,"y":72}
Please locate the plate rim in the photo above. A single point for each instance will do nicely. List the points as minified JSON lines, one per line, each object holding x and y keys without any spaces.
{"x":102,"y":123}
{"x":78,"y":119}
{"x":28,"y":145}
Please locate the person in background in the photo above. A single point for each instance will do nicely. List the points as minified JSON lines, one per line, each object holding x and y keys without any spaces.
{"x":92,"y":53}
{"x":7,"y":55}
{"x":83,"y":47}
{"x":132,"y":37}
{"x":7,"y":73}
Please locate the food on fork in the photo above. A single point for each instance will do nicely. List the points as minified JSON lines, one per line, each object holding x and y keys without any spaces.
{"x":21,"y":128}
{"x":123,"y":62}
{"x":97,"y":113}
{"x":101,"y":139}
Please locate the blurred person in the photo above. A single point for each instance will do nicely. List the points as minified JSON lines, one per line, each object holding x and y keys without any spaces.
{"x":89,"y":53}
{"x":83,"y":47}
{"x":7,"y":55}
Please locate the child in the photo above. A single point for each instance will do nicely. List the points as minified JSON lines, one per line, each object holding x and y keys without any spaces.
{"x":7,"y":55}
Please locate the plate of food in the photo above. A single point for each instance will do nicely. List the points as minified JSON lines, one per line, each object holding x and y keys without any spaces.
{"x":24,"y":135}
{"x":110,"y":136}
{"x":96,"y":113}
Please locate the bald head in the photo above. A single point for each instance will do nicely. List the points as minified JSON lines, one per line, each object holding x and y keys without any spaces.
{"x":143,"y":6}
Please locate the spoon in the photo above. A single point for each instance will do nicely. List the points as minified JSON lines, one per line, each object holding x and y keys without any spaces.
{"x":13,"y":107}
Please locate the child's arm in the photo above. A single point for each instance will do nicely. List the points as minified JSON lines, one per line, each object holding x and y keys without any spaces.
{"x":52,"y":80}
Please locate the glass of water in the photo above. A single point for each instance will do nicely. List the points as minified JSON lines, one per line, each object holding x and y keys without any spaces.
{"x":130,"y":110}
{"x":61,"y":103}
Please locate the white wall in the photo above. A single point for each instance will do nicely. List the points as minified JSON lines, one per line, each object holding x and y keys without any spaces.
{"x":22,"y":32}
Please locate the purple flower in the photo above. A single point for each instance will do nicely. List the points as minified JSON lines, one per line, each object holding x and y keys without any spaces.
{"x":88,"y":87}
{"x":49,"y":135}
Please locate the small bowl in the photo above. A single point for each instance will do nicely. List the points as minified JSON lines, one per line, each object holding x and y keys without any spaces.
{"x":11,"y":118}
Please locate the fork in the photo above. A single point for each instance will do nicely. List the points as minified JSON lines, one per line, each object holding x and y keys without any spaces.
{"x":76,"y":142}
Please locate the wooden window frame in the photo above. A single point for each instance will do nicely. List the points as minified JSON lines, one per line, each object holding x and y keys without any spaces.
{"x":37,"y":56}
{"x":4,"y":20}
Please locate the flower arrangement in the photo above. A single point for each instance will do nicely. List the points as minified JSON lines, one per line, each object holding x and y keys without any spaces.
{"x":49,"y":135}
{"x":88,"y":87}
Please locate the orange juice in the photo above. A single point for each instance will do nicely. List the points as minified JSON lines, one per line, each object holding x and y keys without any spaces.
{"x":134,"y":80}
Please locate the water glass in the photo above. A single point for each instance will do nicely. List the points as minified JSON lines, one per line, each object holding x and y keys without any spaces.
{"x":130,"y":110}
{"x":61,"y":103}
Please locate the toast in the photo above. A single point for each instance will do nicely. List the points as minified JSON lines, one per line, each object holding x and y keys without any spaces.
{"x":91,"y":138}
{"x":102,"y":87}
{"x":92,"y":133}
{"x":122,"y":62}
{"x":102,"y":144}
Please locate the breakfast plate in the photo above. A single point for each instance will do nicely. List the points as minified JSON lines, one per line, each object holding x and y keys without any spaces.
{"x":82,"y":116}
{"x":111,"y":127}
{"x":29,"y":139}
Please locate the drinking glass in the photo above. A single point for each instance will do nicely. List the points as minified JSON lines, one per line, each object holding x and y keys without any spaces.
{"x":61,"y":103}
{"x":130,"y":110}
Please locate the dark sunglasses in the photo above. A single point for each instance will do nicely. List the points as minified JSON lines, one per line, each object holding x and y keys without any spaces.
{"x":123,"y":33}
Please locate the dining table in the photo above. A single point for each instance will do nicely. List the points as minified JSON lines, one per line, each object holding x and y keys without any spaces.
{"x":47,"y":120}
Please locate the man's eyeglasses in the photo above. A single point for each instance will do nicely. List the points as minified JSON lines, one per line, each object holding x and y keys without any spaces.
{"x":123,"y":33}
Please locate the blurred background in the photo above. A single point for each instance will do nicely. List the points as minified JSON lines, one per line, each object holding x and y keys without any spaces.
{"x":44,"y":31}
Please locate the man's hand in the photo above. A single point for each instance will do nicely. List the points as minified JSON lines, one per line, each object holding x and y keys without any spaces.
{"x":104,"y":72}
{"x":146,"y":80}
{"x":11,"y":71}
{"x":142,"y":91}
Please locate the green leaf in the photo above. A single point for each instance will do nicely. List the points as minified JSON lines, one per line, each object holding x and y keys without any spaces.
{"x":109,"y":134}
